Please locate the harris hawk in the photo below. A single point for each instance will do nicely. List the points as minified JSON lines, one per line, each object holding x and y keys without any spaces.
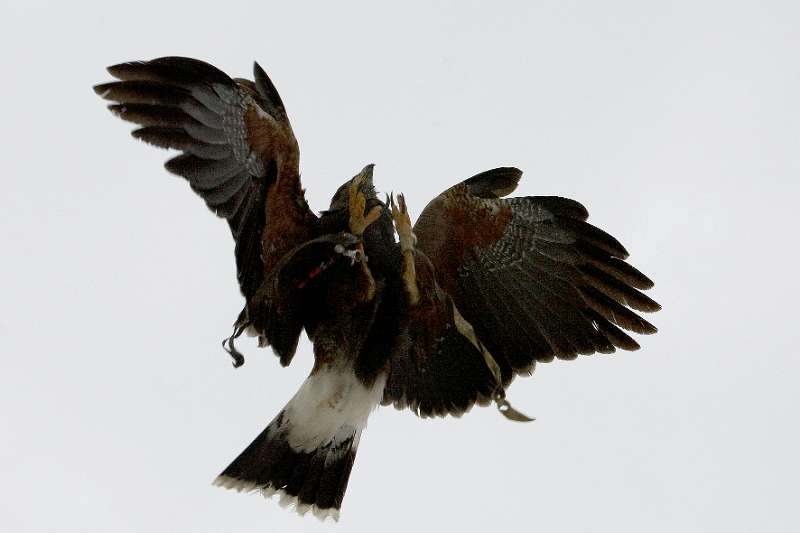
{"x":433,"y":317}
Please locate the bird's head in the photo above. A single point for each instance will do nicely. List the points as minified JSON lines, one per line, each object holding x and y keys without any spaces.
{"x":341,"y":199}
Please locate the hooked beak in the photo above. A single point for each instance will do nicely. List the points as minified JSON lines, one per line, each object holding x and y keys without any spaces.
{"x":366,"y":173}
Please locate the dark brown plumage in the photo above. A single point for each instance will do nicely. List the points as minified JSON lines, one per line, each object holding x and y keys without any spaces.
{"x":479,"y":290}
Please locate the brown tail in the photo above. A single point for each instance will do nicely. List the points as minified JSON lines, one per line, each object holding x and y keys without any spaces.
{"x":308,"y":480}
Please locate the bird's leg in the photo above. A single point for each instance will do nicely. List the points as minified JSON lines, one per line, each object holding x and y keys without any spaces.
{"x":358,"y":223}
{"x":358,"y":202}
{"x":408,"y":241}
{"x":499,"y":396}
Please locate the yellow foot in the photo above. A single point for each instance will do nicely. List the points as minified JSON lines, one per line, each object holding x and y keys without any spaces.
{"x":408,"y":241}
{"x":402,"y":223}
{"x":358,"y":203}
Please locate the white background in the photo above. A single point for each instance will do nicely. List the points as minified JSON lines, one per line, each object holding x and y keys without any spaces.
{"x":676,"y":123}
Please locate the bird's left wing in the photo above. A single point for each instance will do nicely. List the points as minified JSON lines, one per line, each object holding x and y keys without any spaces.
{"x":237,"y":144}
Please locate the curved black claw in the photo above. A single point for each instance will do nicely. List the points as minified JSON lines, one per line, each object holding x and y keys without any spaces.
{"x":236,"y":355}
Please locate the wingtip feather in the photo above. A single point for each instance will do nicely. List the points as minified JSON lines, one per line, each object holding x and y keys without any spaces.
{"x":102,"y":90}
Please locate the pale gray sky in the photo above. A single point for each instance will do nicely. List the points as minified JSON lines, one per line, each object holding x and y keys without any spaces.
{"x":676,"y":123}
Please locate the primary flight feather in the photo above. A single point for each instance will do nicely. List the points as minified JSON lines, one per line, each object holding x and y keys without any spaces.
{"x":435,"y":317}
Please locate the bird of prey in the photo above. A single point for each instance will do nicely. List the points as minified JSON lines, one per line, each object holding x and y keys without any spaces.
{"x":434,"y":317}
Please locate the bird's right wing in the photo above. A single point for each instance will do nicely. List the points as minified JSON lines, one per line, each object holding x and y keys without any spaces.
{"x":237,"y":149}
{"x":533,"y":278}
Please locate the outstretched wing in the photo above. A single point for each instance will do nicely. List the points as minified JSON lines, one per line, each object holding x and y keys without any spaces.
{"x":534,"y":279}
{"x":235,"y":139}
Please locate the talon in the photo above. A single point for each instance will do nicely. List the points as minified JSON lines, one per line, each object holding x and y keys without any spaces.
{"x":402,"y":223}
{"x":358,"y":202}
